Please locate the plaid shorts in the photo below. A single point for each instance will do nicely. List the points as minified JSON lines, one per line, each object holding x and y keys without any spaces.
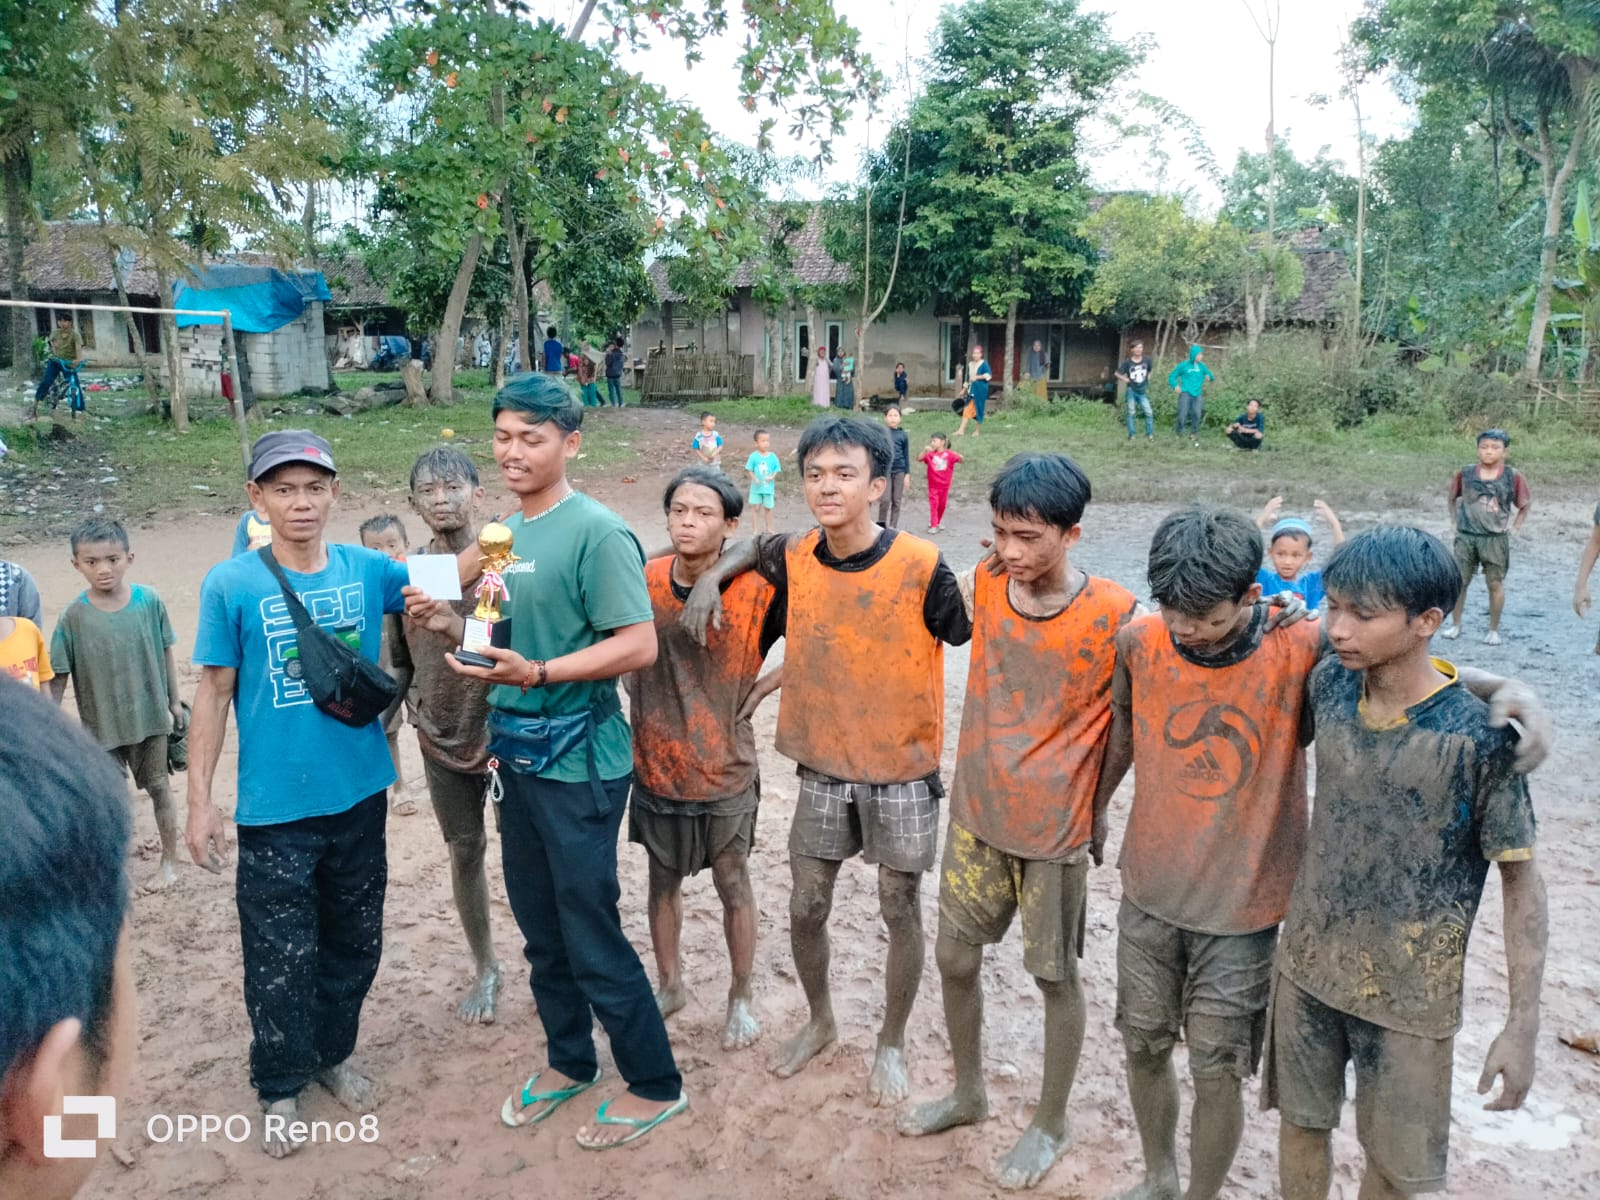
{"x":893,"y":824}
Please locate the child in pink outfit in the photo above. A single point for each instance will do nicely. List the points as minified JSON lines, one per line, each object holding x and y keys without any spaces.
{"x":941,"y":462}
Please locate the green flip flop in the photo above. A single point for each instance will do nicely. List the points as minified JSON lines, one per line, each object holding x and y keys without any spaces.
{"x":639,"y":1127}
{"x":513,"y":1111}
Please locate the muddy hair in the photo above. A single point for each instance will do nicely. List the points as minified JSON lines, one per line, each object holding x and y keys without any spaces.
{"x":444,"y":463}
{"x":98,"y":529}
{"x":539,"y":398}
{"x":845,"y":433}
{"x":63,"y":878}
{"x":732,"y":501}
{"x":1203,"y":556}
{"x":376,"y":525}
{"x":1394,"y":566}
{"x":1037,"y":486}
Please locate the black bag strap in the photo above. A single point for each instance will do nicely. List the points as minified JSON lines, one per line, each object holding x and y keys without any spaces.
{"x":297,"y":611}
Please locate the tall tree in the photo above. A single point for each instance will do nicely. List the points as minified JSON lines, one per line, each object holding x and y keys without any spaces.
{"x":1009,"y":85}
{"x":1537,"y":62}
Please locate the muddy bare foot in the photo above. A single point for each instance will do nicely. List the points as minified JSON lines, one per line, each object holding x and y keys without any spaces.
{"x":349,"y":1087}
{"x":672,"y":997}
{"x":811,"y":1041}
{"x":938,"y":1115}
{"x":274,"y":1138}
{"x":166,"y":875}
{"x":889,"y":1083}
{"x":1162,"y":1188}
{"x":477,"y":1006}
{"x":742,"y":1029}
{"x":1033,"y":1155}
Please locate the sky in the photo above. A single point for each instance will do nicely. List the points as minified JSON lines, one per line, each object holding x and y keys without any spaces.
{"x":1205,"y":57}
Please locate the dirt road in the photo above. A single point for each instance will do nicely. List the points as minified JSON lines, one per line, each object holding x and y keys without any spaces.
{"x":815,"y":1135}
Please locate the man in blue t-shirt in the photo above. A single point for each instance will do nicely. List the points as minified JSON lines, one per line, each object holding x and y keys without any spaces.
{"x":312,"y":801}
{"x":555,"y":355}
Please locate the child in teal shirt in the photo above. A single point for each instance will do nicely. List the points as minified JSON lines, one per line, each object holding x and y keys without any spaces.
{"x":762,"y":466}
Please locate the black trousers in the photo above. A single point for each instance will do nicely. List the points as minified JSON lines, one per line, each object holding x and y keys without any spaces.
{"x":310,"y":896}
{"x":1245,"y":442}
{"x":558,"y":843}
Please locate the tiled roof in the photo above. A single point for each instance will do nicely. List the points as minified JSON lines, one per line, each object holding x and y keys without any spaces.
{"x":812,"y":264}
{"x":1326,"y":268}
{"x":71,"y":256}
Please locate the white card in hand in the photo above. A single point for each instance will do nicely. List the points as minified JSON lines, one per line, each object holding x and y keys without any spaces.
{"x":436,"y":574}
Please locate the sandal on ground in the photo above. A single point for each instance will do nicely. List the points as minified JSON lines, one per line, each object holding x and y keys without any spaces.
{"x":514,"y":1112}
{"x":639,"y":1127}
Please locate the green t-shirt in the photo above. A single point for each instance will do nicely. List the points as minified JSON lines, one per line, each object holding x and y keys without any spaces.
{"x":118,"y":664}
{"x":579,"y":574}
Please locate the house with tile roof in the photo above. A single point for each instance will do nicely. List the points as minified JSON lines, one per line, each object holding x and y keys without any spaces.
{"x":775,"y":351}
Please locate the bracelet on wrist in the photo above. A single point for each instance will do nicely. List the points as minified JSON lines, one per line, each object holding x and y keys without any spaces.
{"x":537,"y":674}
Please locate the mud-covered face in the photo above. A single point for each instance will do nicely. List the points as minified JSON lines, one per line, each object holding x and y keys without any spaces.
{"x":1365,"y":633}
{"x":1215,"y":627}
{"x":839,"y":485}
{"x":696,"y":521}
{"x":103,"y":564}
{"x":1289,"y":554}
{"x":445,"y":504}
{"x":1491,"y":452}
{"x":1029,"y":547}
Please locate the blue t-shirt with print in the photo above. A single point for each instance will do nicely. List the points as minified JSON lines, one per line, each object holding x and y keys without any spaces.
{"x":294,"y":760}
{"x":1308,"y":587}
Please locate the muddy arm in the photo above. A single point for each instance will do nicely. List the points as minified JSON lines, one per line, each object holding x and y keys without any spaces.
{"x":1527,"y":927}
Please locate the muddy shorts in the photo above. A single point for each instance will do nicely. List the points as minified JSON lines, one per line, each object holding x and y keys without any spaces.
{"x":1212,"y":987}
{"x":146,"y":761}
{"x":1491,"y":551}
{"x":687,"y":836}
{"x":892,"y":824}
{"x":458,"y":799}
{"x":981,"y":889}
{"x":1402,"y":1084}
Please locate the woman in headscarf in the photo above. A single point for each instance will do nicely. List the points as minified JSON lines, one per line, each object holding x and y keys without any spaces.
{"x":821,"y":374}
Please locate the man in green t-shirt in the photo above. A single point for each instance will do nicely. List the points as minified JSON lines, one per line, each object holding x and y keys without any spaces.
{"x":580,"y":617}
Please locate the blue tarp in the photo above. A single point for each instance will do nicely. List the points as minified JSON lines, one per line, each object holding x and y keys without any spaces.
{"x":261,"y":299}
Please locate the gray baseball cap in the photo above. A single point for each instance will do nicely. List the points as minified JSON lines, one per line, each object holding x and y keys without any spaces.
{"x":282,"y":446}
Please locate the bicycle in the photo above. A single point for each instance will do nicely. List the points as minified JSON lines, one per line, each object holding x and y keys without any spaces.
{"x":67,"y":384}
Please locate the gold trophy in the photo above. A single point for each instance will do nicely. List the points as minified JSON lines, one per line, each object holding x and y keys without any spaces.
{"x":488,"y":626}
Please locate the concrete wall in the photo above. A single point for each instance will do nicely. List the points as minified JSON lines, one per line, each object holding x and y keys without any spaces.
{"x":282,"y":362}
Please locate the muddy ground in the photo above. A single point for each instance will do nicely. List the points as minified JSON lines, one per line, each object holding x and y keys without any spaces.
{"x":815,"y":1135}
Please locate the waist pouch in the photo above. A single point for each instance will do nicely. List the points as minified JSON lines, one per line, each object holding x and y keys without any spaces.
{"x":531,"y":745}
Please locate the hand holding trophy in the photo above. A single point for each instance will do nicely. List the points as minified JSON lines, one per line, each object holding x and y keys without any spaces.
{"x":488,"y":625}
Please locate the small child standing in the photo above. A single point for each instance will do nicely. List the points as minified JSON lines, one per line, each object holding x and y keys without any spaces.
{"x":1289,"y":548}
{"x":707,"y":443}
{"x":1416,"y":795}
{"x":902,"y":383}
{"x":115,"y":643}
{"x":22,"y":652}
{"x":899,"y":470}
{"x":941,"y":462}
{"x":387,"y":535}
{"x":762,"y":466}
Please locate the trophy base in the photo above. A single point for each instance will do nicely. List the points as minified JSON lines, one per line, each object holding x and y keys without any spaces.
{"x":471,"y":658}
{"x":481,"y":634}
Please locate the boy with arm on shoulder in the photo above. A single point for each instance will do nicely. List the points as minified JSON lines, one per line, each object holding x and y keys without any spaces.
{"x":1033,"y":734}
{"x":696,"y":788}
{"x":861,"y":714}
{"x":1417,"y":793}
{"x":115,"y":643}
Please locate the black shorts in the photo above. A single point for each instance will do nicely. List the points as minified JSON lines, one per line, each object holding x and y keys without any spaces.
{"x":687,"y":836}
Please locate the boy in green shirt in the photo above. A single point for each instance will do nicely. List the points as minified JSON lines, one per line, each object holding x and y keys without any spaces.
{"x":115,"y":643}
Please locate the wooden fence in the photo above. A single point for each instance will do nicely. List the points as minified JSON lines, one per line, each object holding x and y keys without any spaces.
{"x":681,"y":376}
{"x":1576,"y":403}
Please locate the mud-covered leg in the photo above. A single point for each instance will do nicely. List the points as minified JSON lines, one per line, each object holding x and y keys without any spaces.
{"x":902,"y":913}
{"x":1153,"y":1092}
{"x":469,"y":883}
{"x":1045,"y":1140}
{"x":810,"y":904}
{"x":959,"y":965}
{"x":731,"y":874}
{"x":666,"y":930}
{"x":1305,"y":1162}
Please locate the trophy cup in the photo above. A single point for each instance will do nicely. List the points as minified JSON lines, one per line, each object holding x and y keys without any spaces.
{"x":488,"y":626}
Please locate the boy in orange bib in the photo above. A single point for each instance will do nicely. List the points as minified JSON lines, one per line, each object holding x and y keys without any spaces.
{"x":1033,"y":733}
{"x":861,"y":713}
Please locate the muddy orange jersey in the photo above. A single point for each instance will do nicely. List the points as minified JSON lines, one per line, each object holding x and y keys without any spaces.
{"x":863,"y":678}
{"x":1218,"y":824}
{"x":688,"y":741}
{"x":1038,"y":709}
